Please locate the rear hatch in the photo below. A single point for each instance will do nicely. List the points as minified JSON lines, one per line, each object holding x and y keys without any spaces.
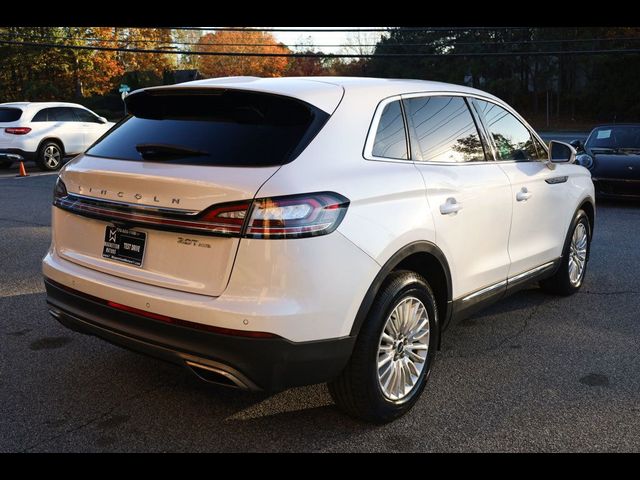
{"x":177,"y":158}
{"x":9,"y":117}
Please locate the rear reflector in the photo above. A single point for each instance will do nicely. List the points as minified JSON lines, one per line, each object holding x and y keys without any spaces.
{"x":164,"y":318}
{"x":185,"y":323}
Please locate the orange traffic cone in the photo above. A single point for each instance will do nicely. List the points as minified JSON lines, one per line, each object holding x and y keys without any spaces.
{"x":23,"y":172}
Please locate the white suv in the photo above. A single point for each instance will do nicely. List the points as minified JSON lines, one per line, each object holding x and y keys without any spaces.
{"x":269,"y":233}
{"x":46,"y":132}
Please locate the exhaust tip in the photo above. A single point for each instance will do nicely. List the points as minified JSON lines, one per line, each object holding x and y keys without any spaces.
{"x":217,"y":376}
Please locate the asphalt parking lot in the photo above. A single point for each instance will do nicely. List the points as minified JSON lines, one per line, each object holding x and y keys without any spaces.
{"x":533,"y":373}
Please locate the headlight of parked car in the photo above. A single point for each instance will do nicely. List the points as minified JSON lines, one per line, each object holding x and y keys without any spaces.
{"x":584,"y":160}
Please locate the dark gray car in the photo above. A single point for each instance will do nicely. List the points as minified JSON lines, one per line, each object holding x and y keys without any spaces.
{"x":612,"y":154}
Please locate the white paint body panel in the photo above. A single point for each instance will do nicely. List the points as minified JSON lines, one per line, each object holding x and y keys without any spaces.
{"x":539,"y":223}
{"x":310,"y":289}
{"x":474,"y":239}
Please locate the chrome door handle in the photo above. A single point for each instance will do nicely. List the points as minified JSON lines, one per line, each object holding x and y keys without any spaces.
{"x":523,"y":195}
{"x":450,"y":207}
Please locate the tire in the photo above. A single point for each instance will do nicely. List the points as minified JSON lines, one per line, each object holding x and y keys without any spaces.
{"x":50,"y":155}
{"x":562,"y":282}
{"x":5,"y":165}
{"x":359,"y":390}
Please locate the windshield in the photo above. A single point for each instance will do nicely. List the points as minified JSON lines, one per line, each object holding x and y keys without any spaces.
{"x":615,"y":138}
{"x":10,"y":114}
{"x":212,"y":127}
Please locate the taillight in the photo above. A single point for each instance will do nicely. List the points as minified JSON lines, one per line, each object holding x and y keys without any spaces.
{"x":296,"y":216}
{"x":226,"y":218}
{"x":59,"y":191}
{"x":17,"y":130}
{"x":292,"y":216}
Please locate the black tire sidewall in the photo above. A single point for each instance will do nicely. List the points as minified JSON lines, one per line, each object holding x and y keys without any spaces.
{"x":412,"y":286}
{"x":40,"y":158}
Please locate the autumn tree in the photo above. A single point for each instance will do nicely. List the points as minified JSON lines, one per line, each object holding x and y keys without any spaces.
{"x":147,"y":39}
{"x":306,"y":66}
{"x":190,"y":39}
{"x":244,"y":41}
{"x":54,"y":73}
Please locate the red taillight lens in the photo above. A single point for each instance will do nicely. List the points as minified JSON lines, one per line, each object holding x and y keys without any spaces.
{"x":17,"y":130}
{"x":296,"y":216}
{"x":227,"y":218}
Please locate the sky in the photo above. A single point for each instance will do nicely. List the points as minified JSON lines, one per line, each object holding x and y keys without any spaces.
{"x":330,"y":38}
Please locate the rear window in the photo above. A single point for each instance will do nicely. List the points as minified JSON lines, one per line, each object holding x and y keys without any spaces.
{"x":222,"y":127}
{"x":10,"y":114}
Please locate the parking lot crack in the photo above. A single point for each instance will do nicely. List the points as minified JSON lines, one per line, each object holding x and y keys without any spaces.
{"x":619,"y":292}
{"x":521,"y":330}
{"x":99,"y":417}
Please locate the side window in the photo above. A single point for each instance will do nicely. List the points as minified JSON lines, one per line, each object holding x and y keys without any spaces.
{"x":85,"y":116}
{"x":390,"y":140}
{"x":61,"y":114}
{"x":41,"y":116}
{"x":512,"y":139}
{"x":443,"y":130}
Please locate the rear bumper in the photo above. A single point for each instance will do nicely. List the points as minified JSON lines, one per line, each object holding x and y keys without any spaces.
{"x":15,"y":155}
{"x":270,"y":364}
{"x":617,"y":187}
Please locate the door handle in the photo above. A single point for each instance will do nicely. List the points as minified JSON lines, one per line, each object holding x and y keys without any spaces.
{"x":450,"y":207}
{"x":523,"y":195}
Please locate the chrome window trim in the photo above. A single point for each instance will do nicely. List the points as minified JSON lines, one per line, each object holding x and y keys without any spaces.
{"x":368,"y":146}
{"x":373,"y":129}
{"x":518,"y":117}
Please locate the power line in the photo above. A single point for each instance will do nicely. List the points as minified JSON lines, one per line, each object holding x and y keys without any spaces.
{"x":346,"y":30}
{"x":322,"y":55}
{"x":312,"y":45}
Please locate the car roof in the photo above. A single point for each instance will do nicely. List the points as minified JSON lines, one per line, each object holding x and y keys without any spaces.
{"x":314,"y":90}
{"x":38,"y":105}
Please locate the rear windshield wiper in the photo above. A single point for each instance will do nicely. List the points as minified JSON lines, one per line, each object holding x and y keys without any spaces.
{"x":164,"y":150}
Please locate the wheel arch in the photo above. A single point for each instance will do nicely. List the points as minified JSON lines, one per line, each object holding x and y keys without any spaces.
{"x":588,"y":205}
{"x":424,"y":258}
{"x":51,"y":139}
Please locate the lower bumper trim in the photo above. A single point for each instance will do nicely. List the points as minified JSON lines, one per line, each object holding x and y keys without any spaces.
{"x":270,"y":364}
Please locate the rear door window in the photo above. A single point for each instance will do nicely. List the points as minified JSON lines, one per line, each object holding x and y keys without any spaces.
{"x":8,"y":114}
{"x":61,"y":114}
{"x":212,"y":127}
{"x":442,"y":130}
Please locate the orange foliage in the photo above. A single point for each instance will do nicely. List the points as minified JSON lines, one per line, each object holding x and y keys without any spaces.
{"x":104,"y":68}
{"x":214,"y":66}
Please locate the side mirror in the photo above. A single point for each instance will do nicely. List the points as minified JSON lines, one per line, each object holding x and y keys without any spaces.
{"x":577,"y":144}
{"x":560,"y":152}
{"x":103,"y":120}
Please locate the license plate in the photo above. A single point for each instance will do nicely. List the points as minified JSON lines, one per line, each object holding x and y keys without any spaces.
{"x":124,"y":245}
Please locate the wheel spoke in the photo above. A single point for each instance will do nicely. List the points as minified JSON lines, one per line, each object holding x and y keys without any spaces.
{"x":403,"y":348}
